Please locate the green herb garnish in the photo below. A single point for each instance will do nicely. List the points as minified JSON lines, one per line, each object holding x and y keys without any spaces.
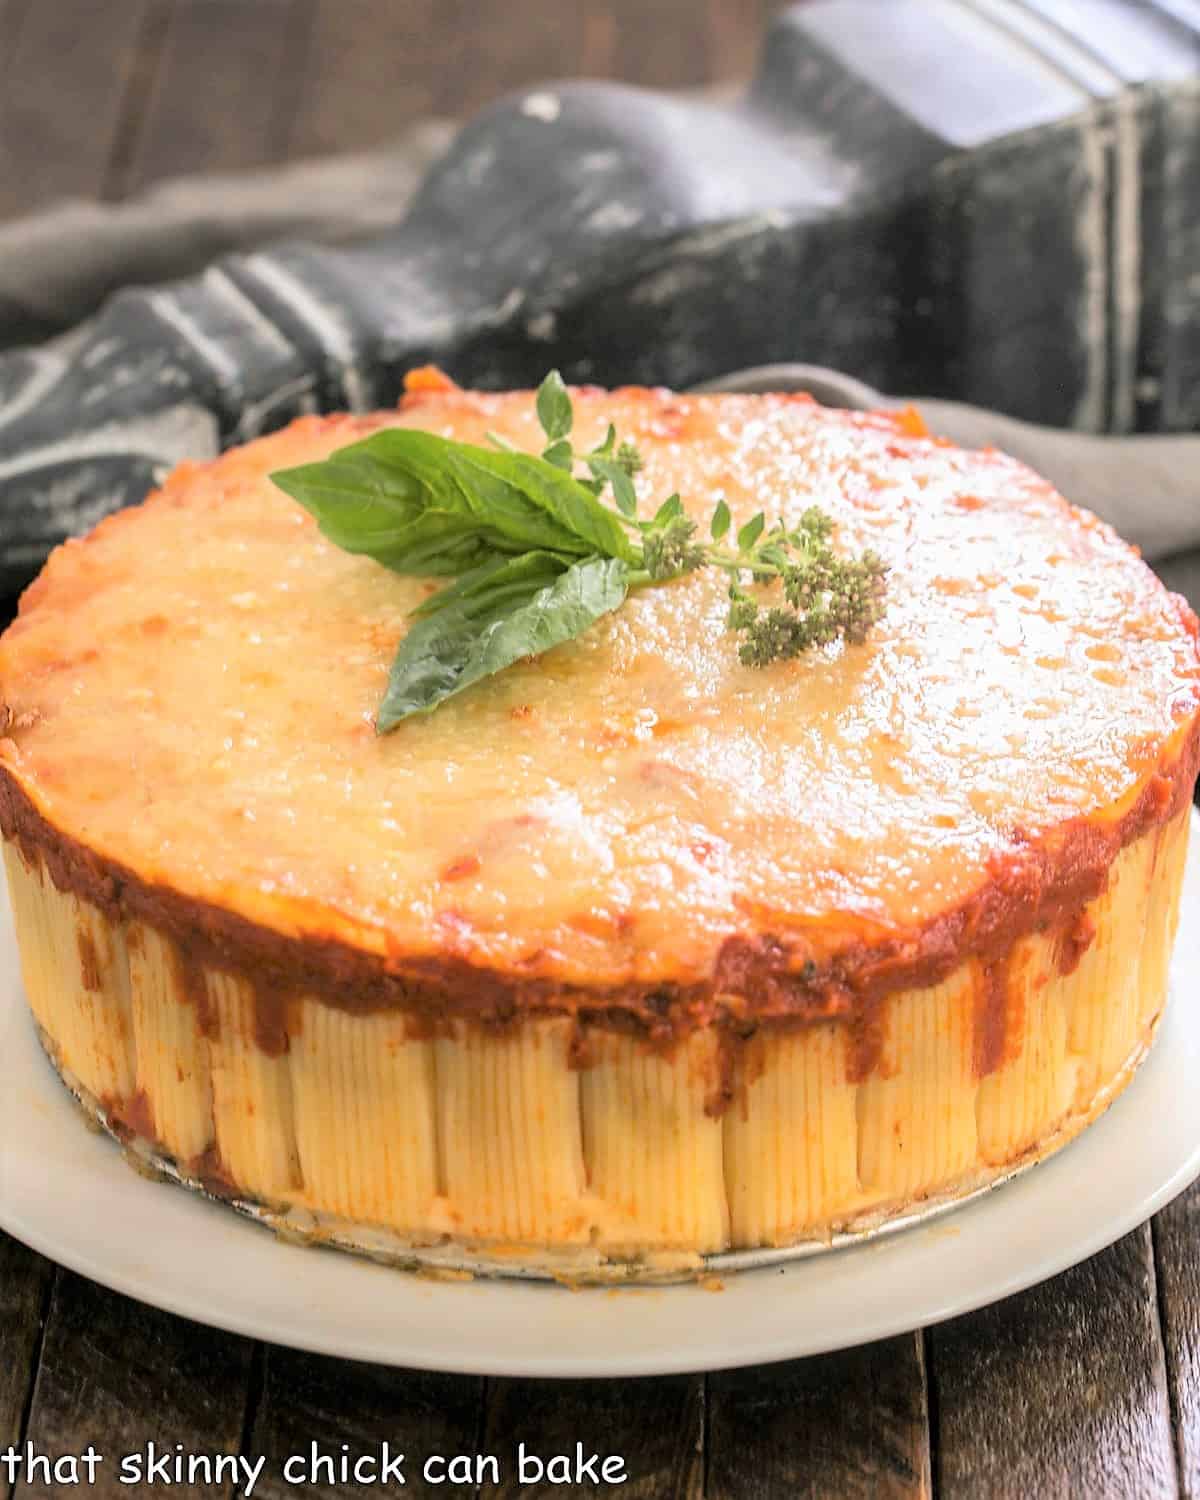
{"x":537,"y":555}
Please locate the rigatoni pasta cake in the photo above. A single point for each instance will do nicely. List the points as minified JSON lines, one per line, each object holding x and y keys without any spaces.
{"x":725,"y":886}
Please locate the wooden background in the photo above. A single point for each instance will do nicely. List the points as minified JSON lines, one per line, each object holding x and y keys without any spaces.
{"x":103,"y":97}
{"x":1088,"y":1385}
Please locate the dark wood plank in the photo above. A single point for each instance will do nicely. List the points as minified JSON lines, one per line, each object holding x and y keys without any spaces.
{"x":120,"y":1376}
{"x":372,"y":68}
{"x":655,"y":1426}
{"x":1061,"y":1390}
{"x":307,"y":1399}
{"x":12,"y":14}
{"x":64,"y":93}
{"x":837,"y":1427}
{"x":736,"y":30}
{"x":1177,"y":1261}
{"x":497,"y":57}
{"x":222,"y":86}
{"x":25,"y":1280}
{"x":597,"y":41}
{"x":683,"y":44}
{"x":671,"y":44}
{"x":666,"y":45}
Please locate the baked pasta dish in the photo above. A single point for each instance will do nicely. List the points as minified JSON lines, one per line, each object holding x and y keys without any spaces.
{"x":631,"y":953}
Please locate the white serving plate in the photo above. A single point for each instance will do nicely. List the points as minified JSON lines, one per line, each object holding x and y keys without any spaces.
{"x":69,"y":1194}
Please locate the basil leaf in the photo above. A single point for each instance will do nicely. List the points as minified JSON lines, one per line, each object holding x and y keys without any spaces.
{"x":622,"y":486}
{"x":425,"y":505}
{"x":406,"y":499}
{"x":560,"y":454}
{"x":477,"y":636}
{"x":373,"y":508}
{"x":750,"y":532}
{"x":498,"y":573}
{"x":668,"y":510}
{"x":554,"y":407}
{"x":591,"y":524}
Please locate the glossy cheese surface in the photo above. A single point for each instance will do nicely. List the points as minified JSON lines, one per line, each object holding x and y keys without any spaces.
{"x":190,"y":692}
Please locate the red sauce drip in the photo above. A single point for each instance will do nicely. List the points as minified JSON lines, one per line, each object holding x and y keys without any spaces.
{"x":1075,"y":940}
{"x":717,"y":1100}
{"x":194,"y":988}
{"x":209,"y":1171}
{"x":271,"y":1021}
{"x":580,"y":1051}
{"x":131,"y":1117}
{"x":866,"y":1042}
{"x":1159,"y":794}
{"x":90,"y":973}
{"x":993,"y":995}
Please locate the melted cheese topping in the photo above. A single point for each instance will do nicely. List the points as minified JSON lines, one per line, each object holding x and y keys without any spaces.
{"x":192,"y":689}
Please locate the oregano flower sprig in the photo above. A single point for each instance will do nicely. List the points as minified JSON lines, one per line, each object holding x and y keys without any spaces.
{"x":537,"y":555}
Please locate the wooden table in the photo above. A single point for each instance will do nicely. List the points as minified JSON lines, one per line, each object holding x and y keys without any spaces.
{"x":1088,"y":1385}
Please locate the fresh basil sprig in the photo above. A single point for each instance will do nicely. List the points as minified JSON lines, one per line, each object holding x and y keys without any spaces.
{"x":537,"y":556}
